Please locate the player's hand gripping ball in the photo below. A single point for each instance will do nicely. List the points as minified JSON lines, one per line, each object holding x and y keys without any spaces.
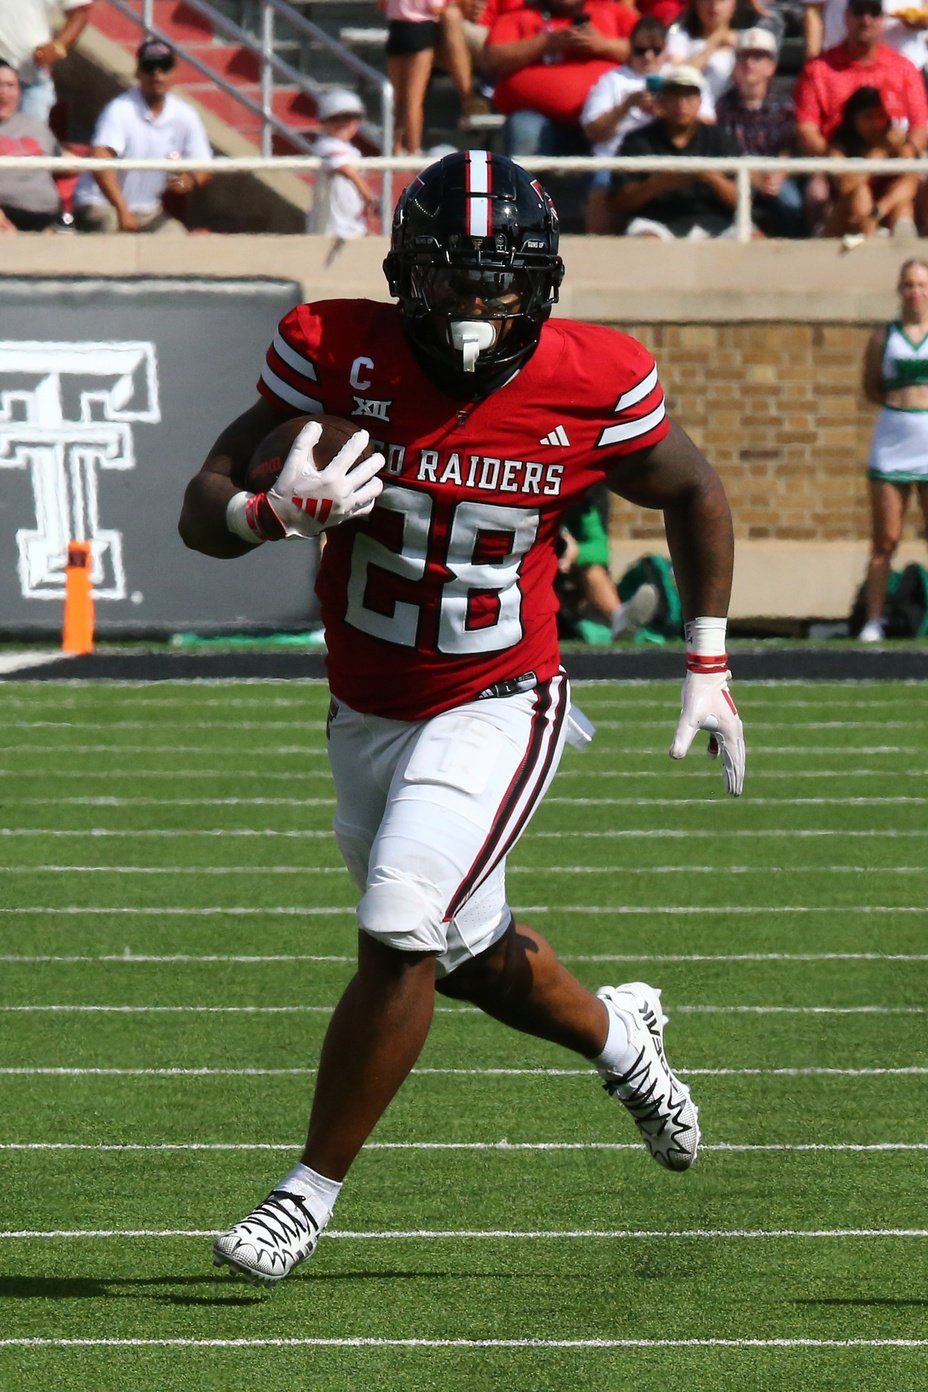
{"x":311,"y":473}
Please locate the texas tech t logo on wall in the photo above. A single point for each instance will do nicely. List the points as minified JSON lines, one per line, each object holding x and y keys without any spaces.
{"x":66,"y":416}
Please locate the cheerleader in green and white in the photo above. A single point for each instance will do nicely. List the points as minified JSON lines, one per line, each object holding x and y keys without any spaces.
{"x":896,"y":378}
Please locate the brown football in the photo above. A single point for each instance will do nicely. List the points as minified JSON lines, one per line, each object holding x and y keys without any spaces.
{"x":268,"y":459}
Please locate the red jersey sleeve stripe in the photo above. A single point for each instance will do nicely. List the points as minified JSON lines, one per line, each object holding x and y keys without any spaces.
{"x":633,"y":429}
{"x":292,"y":358}
{"x":281,"y":393}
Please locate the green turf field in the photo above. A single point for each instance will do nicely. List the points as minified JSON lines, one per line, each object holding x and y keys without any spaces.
{"x":175,"y":926}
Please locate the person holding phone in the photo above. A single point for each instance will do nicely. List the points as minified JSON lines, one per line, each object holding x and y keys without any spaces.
{"x":622,"y":101}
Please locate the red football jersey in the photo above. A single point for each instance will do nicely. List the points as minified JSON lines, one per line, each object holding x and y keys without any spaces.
{"x":447,"y":586}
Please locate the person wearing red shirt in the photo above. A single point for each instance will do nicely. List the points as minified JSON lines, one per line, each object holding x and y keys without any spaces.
{"x":544,"y":59}
{"x":863,"y":60}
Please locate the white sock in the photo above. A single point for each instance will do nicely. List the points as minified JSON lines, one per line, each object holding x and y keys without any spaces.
{"x":320,"y":1193}
{"x":618,"y":1055}
{"x":619,"y":621}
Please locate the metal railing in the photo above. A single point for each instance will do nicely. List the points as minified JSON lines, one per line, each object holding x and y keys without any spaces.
{"x":141,"y":12}
{"x":743,"y":167}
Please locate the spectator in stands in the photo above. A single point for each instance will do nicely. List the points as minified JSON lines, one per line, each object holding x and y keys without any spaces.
{"x":620,"y":102}
{"x":33,"y":39}
{"x":545,"y":59}
{"x":704,"y":37}
{"x":863,"y":60}
{"x":28,"y":202}
{"x":411,"y":34}
{"x":343,"y":197}
{"x":461,"y":37}
{"x":147,"y":122}
{"x":761,"y":123}
{"x":906,"y":23}
{"x":669,"y":205}
{"x":864,"y":203}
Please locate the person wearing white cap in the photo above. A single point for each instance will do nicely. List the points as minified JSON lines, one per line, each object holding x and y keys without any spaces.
{"x":764,"y":124}
{"x":343,"y":197}
{"x":670,"y":205}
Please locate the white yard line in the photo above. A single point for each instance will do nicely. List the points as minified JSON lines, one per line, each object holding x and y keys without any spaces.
{"x":327,"y":911}
{"x":64,"y":1009}
{"x":361,"y":1341}
{"x":216,"y":755}
{"x":509,"y":1234}
{"x":463,"y":1344}
{"x":504,"y":1147}
{"x":129,"y":958}
{"x":624,"y":872}
{"x":307,"y":751}
{"x":608,"y":724}
{"x":616,"y":775}
{"x":708,"y":800}
{"x":586,"y":833}
{"x":587,"y":1073}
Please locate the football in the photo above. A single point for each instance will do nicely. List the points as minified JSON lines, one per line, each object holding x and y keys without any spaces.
{"x":268,"y":459}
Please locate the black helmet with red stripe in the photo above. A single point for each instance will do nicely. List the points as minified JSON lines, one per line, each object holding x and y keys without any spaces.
{"x":473,"y":261}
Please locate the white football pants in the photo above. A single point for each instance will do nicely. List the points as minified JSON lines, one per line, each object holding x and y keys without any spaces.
{"x":427,"y":812}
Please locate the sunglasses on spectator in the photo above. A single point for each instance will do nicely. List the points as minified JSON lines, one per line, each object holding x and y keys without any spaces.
{"x":156,"y":65}
{"x":757,"y":53}
{"x":862,"y":7}
{"x":642,"y":50}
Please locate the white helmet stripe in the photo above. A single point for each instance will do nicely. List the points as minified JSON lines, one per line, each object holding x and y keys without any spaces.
{"x":479,"y":209}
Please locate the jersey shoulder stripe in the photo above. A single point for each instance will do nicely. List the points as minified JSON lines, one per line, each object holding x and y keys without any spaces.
{"x":282,"y":394}
{"x":292,"y":357}
{"x":642,"y":415}
{"x":633,"y":429}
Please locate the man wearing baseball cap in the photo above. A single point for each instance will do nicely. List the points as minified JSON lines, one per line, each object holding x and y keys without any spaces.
{"x":147,"y":122}
{"x":670,"y":205}
{"x":761,"y":123}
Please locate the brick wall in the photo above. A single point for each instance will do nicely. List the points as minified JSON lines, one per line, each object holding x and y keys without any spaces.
{"x":778,"y":410}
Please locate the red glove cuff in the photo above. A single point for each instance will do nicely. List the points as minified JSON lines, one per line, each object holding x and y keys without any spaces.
{"x":262,"y":519}
{"x":706,"y":665}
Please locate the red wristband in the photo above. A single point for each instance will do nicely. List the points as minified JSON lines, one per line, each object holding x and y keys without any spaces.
{"x":705,"y":665}
{"x":262,"y":519}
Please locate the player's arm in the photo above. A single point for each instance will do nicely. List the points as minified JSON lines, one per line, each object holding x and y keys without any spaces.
{"x":675,"y":477}
{"x":203,"y":526}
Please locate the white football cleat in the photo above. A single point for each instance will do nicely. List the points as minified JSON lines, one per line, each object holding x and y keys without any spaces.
{"x":271,"y":1241}
{"x":660,"y":1104}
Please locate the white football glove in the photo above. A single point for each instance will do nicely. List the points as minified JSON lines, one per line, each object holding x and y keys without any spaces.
{"x":707,"y":705}
{"x":306,"y":500}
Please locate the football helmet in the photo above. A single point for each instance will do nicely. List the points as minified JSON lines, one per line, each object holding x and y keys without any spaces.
{"x":473,"y":261}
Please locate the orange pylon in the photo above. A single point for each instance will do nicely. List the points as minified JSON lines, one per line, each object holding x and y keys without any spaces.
{"x":77,"y":633}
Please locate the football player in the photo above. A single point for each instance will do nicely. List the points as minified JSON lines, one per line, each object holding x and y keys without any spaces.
{"x":449,"y":705}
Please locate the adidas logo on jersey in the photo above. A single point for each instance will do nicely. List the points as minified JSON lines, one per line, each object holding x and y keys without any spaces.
{"x":558,"y":436}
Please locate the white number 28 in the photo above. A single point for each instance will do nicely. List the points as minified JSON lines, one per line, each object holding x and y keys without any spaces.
{"x":452,"y":574}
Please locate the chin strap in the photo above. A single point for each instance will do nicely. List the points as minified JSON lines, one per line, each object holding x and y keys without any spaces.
{"x":471,"y":337}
